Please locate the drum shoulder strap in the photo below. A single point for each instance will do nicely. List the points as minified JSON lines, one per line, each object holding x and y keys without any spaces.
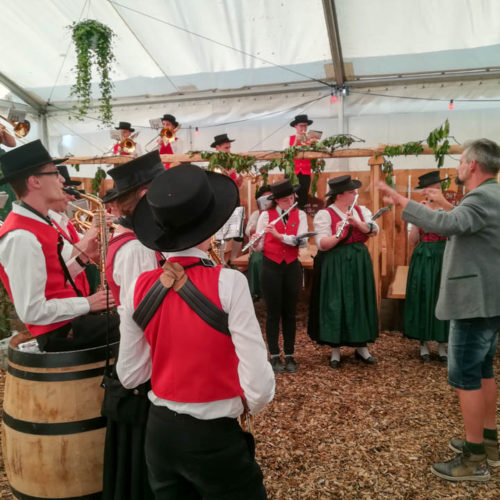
{"x":199,"y":303}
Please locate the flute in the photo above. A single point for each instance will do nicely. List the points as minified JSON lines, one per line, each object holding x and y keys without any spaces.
{"x":350,"y":210}
{"x":262,"y":233}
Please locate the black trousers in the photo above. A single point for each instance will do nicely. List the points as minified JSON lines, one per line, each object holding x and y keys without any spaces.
{"x":303,"y":192}
{"x":82,"y":333}
{"x":280,"y":288}
{"x":192,"y":459}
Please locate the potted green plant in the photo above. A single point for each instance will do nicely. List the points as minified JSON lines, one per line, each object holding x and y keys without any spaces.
{"x":93,"y":45}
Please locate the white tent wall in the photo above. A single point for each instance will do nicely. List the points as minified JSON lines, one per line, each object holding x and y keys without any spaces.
{"x":261,"y":122}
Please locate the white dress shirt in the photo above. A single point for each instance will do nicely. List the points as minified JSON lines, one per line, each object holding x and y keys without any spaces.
{"x":288,"y":239}
{"x":131,"y":260}
{"x":323,"y":222}
{"x":254,"y":371}
{"x":62,"y":220}
{"x":22,"y":257}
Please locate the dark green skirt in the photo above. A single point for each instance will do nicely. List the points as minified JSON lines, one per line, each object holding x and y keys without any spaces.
{"x":422,"y":290}
{"x":253,"y":274}
{"x":347,"y":300}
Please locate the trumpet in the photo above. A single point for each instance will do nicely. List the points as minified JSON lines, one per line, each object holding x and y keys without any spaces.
{"x":214,"y":251}
{"x":350,"y":210}
{"x":78,"y":220}
{"x":167,"y":134}
{"x":21,"y":129}
{"x":250,"y":244}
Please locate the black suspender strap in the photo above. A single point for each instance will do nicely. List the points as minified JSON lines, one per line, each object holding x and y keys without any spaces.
{"x":204,"y":308}
{"x":200,"y":304}
{"x":149,"y":304}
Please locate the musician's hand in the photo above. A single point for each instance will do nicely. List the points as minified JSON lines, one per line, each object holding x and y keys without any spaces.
{"x":271,"y":228}
{"x":109,"y":219}
{"x":354,"y":222}
{"x":88,"y":243}
{"x":343,"y":234}
{"x":100,"y":300}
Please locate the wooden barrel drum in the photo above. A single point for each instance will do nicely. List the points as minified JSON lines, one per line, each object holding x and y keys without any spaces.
{"x":52,"y":429}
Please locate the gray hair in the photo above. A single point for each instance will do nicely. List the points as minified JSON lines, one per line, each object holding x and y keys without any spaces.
{"x":486,"y":153}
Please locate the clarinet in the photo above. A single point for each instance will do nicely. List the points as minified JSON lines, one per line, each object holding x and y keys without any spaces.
{"x":344,"y":222}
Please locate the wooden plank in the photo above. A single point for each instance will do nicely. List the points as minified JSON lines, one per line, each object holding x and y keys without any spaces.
{"x":397,"y":289}
{"x":259,"y":155}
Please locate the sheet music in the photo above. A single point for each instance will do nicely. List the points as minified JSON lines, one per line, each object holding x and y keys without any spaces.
{"x":115,"y":135}
{"x":233,"y":228}
{"x":3,"y":199}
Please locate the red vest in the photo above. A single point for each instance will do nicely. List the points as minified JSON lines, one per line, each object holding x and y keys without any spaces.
{"x":356,"y":235}
{"x":114,"y":244}
{"x":301,"y":166}
{"x":118,"y":152}
{"x":56,"y":286}
{"x":192,"y":362}
{"x":81,"y":281}
{"x":166,"y":149}
{"x":276,"y":250}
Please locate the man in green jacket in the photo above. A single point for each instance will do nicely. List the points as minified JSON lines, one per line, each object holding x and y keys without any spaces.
{"x":469,"y":298}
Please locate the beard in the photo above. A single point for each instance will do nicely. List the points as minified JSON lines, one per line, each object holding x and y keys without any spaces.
{"x":458,"y":181}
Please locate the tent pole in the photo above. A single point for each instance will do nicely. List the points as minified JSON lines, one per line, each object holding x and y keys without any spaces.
{"x":45,"y":129}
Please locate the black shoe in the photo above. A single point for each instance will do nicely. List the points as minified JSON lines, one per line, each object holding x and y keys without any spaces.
{"x":334,"y":364}
{"x":425,"y":358}
{"x":370,"y":360}
{"x":277,"y":365}
{"x":443,"y":359}
{"x":290,"y":364}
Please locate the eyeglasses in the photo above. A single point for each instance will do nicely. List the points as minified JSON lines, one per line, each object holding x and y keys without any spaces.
{"x":50,"y":172}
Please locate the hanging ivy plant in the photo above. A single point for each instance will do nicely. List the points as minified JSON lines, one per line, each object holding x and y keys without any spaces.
{"x":99,"y":176}
{"x":93,"y":45}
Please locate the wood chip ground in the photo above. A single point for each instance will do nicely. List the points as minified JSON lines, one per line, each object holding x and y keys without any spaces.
{"x":359,"y":432}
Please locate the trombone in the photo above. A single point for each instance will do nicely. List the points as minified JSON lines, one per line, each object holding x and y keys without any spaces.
{"x":21,"y":129}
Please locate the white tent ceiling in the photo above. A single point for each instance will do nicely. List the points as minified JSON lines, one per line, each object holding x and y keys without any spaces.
{"x":250,"y":65}
{"x":166,"y":47}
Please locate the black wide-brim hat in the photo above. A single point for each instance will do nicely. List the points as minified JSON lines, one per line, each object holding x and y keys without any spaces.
{"x":429,"y":178}
{"x":170,"y":118}
{"x":300,"y":119}
{"x":282,"y":188}
{"x":341,"y":184}
{"x":68,"y":181}
{"x":19,"y":161}
{"x":124,"y":126}
{"x":134,"y":174}
{"x":183,"y":207}
{"x":110,"y":195}
{"x":221,"y":139}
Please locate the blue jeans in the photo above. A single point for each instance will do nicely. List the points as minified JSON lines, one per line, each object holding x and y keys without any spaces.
{"x":471,"y":349}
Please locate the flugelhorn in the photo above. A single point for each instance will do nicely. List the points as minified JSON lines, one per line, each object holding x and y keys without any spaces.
{"x":102,"y":230}
{"x":350,"y":210}
{"x":21,"y":129}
